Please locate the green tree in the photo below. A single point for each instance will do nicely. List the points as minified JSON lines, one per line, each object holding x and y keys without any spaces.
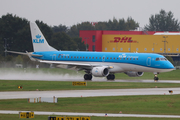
{"x":80,"y":45}
{"x":14,"y":33}
{"x":74,"y":30}
{"x":60,"y":28}
{"x":19,"y":59}
{"x":164,"y":21}
{"x":61,"y":41}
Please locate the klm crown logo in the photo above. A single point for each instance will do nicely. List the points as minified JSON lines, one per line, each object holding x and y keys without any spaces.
{"x":38,"y":40}
{"x":38,"y":36}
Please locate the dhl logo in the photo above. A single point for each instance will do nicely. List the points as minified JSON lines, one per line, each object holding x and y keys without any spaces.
{"x":123,"y":40}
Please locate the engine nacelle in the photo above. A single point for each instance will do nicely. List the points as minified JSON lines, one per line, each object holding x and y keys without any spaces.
{"x":100,"y":71}
{"x":134,"y":74}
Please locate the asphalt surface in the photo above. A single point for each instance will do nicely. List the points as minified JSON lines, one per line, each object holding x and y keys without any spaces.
{"x":90,"y":114}
{"x":87,"y":93}
{"x":93,"y":80}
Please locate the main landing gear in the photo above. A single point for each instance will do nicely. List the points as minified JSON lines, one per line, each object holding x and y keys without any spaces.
{"x":156,"y":78}
{"x":87,"y":77}
{"x":110,"y":77}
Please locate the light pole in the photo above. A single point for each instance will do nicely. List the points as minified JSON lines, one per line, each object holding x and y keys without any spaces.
{"x":86,"y":42}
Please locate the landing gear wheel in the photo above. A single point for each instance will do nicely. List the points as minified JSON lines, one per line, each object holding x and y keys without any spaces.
{"x":87,"y":77}
{"x":110,"y":77}
{"x":156,"y":78}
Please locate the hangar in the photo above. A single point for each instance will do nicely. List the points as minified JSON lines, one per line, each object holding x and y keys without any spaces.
{"x":165,"y":43}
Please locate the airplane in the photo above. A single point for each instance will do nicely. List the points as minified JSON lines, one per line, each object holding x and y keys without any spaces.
{"x":97,"y":64}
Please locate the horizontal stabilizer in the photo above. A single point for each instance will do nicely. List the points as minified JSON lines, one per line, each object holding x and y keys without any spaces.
{"x":21,"y":53}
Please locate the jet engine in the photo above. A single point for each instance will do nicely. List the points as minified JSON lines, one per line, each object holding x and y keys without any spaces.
{"x":100,"y":71}
{"x":134,"y":74}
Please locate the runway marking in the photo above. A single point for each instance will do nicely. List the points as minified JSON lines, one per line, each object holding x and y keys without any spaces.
{"x":91,"y":114}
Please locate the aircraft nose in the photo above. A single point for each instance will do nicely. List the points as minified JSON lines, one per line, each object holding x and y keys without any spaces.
{"x":169,"y":65}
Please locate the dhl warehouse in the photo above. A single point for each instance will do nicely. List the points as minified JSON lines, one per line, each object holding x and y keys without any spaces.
{"x":166,"y":43}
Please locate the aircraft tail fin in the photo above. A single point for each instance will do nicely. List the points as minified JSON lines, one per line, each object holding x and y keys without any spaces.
{"x":38,"y":40}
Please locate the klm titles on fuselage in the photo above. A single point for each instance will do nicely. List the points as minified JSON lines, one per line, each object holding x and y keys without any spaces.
{"x":38,"y":40}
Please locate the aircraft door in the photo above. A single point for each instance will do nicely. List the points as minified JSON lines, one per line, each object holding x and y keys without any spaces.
{"x":54,"y":57}
{"x":103,"y":58}
{"x":148,"y":62}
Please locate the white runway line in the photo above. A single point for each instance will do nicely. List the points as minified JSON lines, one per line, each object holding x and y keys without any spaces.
{"x":91,"y":114}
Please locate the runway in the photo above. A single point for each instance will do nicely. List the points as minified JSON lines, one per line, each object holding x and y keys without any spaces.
{"x":90,"y":114}
{"x":92,"y":93}
{"x":101,"y":80}
{"x":87,"y":93}
{"x":41,"y":76}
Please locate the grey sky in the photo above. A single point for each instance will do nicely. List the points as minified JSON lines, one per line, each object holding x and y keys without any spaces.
{"x":70,"y":12}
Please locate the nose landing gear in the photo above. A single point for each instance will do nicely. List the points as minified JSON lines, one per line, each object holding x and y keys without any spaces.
{"x":156,"y":78}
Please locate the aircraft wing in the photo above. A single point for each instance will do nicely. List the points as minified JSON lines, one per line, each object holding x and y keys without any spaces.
{"x":78,"y":65}
{"x":70,"y":63}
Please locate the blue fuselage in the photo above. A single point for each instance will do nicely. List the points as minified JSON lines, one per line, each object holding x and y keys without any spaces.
{"x":146,"y":60}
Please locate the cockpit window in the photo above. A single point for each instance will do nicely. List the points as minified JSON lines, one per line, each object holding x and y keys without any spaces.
{"x":157,"y":59}
{"x":161,"y":59}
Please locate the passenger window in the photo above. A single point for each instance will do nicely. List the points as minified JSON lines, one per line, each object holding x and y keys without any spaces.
{"x":130,"y":58}
{"x":107,"y":57}
{"x":117,"y":58}
{"x":110,"y":58}
{"x":89,"y":57}
{"x":74,"y":56}
{"x":92,"y":57}
{"x":61,"y":56}
{"x":80,"y":57}
{"x":77,"y":57}
{"x":133,"y":58}
{"x":83,"y":57}
{"x":123,"y":58}
{"x":120,"y":58}
{"x":64,"y":56}
{"x":99,"y":57}
{"x":137,"y":58}
{"x":86,"y":57}
{"x":71,"y":57}
{"x":114,"y":58}
{"x":96,"y":57}
{"x":68,"y":56}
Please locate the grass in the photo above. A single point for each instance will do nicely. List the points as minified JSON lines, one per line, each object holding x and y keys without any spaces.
{"x":12,"y":85}
{"x":163,"y":105}
{"x":45,"y":117}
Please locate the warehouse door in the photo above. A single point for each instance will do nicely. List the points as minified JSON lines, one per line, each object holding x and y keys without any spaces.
{"x":148,"y":61}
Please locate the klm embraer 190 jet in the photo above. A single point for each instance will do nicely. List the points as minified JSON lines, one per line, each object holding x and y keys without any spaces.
{"x":98,"y":64}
